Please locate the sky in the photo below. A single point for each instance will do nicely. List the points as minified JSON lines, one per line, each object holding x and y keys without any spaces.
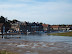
{"x":46,"y":11}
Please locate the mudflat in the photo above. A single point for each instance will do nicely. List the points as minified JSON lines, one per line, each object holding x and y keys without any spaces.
{"x":35,"y":47}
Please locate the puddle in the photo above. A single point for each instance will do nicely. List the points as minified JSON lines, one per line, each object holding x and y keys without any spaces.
{"x":54,"y":48}
{"x":69,"y":42}
{"x":51,"y":44}
{"x":35,"y":44}
{"x":69,"y":51}
{"x":29,"y":52}
{"x":33,"y":47}
{"x":22,"y":45}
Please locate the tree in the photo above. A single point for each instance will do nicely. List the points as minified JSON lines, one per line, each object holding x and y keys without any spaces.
{"x":7,"y":26}
{"x":70,"y":28}
{"x":41,"y":23}
{"x":5,"y":23}
{"x":2,"y":19}
{"x":15,"y":21}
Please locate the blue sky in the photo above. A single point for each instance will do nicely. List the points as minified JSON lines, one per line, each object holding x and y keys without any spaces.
{"x":46,"y":11}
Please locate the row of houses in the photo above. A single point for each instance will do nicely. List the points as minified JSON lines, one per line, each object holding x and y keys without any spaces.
{"x":33,"y":27}
{"x":27,"y":27}
{"x":61,"y":27}
{"x":17,"y":26}
{"x":22,"y":27}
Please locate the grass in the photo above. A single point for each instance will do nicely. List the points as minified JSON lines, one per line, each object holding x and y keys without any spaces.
{"x":6,"y":52}
{"x":62,"y":34}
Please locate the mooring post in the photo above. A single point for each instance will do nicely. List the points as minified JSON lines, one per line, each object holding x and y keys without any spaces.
{"x":2,"y":35}
{"x":3,"y":31}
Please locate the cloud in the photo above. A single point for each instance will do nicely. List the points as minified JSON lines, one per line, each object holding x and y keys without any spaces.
{"x":24,"y":0}
{"x":12,"y":5}
{"x":16,"y":0}
{"x":47,"y":12}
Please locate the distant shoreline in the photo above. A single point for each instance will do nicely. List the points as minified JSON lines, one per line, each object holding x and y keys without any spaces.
{"x":10,"y":34}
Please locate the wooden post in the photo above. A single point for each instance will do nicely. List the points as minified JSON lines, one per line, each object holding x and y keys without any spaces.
{"x":3,"y":30}
{"x":2,"y":35}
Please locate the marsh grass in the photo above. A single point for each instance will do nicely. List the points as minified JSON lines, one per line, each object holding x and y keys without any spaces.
{"x":62,"y":34}
{"x":6,"y":52}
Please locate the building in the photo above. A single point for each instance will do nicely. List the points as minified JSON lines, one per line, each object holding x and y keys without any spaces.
{"x":54,"y":27}
{"x":30,"y":27}
{"x":36,"y":27}
{"x":23,"y":28}
{"x":15,"y":27}
{"x":46,"y":27}
{"x":60,"y":27}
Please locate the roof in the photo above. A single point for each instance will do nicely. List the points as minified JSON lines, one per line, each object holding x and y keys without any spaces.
{"x":55,"y":26}
{"x":45,"y":25}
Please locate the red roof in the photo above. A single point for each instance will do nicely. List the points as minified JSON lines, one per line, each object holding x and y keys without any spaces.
{"x":45,"y":25}
{"x":55,"y":26}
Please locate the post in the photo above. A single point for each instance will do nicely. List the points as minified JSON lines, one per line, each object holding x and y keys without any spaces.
{"x":2,"y":35}
{"x":3,"y":30}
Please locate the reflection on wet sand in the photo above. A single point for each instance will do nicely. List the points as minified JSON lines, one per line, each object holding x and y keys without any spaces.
{"x":35,"y":47}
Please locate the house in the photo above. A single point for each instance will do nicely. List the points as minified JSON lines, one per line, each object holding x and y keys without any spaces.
{"x":36,"y":27}
{"x":15,"y":27}
{"x":30,"y":27}
{"x":23,"y":28}
{"x":54,"y":27}
{"x":46,"y":27}
{"x":60,"y":27}
{"x":63,"y":28}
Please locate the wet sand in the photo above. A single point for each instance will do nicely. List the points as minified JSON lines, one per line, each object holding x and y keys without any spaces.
{"x":35,"y":47}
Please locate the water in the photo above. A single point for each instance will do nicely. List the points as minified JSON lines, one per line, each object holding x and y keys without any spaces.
{"x":48,"y":38}
{"x":44,"y":38}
